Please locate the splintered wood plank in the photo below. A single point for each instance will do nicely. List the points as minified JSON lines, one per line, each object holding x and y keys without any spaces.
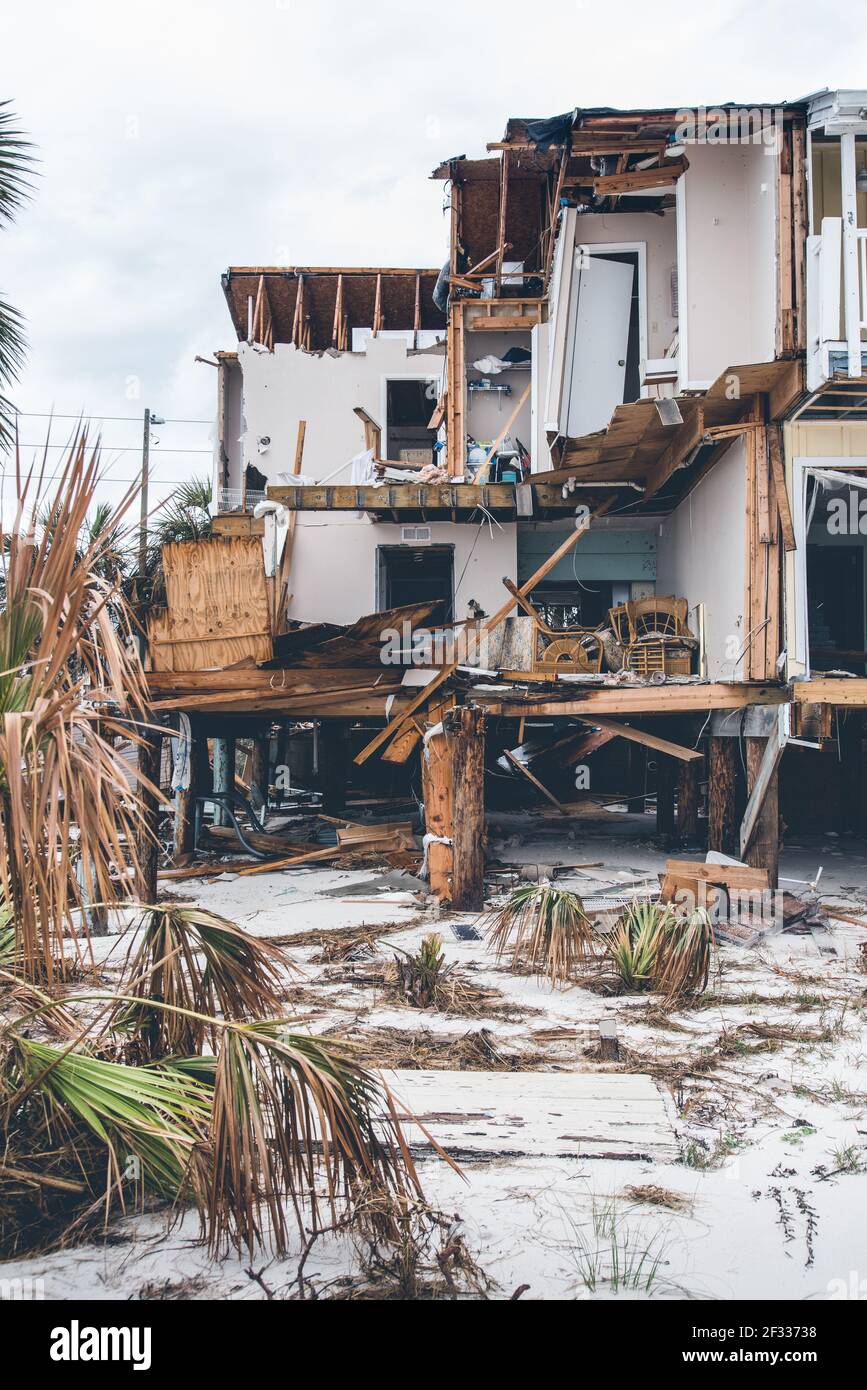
{"x":536,"y":1114}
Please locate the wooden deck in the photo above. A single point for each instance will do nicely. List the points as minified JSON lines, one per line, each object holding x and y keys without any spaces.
{"x":430,"y":501}
{"x":493,"y":1115}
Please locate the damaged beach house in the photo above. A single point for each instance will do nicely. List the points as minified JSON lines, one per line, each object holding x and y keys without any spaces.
{"x":572,"y":525}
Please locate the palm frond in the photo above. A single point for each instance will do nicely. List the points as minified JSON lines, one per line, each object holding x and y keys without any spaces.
{"x":635,"y":944}
{"x":186,"y":517}
{"x":296,"y":1116}
{"x":655,"y":948}
{"x":17,"y":169}
{"x":198,"y":963}
{"x":545,"y":929}
{"x":157,"y":1116}
{"x":17,"y":164}
{"x":685,"y":956}
{"x":68,"y":821}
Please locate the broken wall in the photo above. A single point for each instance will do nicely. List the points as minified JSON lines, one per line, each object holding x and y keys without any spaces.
{"x":335,"y":564}
{"x":726,"y":210}
{"x":701,"y":557}
{"x":287,"y":385}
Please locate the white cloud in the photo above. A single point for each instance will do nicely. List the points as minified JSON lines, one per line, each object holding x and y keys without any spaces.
{"x":178,"y":137}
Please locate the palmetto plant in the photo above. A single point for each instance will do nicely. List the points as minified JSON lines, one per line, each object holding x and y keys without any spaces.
{"x":544,"y":929}
{"x":635,"y":944}
{"x":423,"y":975}
{"x":274,"y":1130}
{"x":653,"y":947}
{"x":17,"y":163}
{"x":70,"y":685}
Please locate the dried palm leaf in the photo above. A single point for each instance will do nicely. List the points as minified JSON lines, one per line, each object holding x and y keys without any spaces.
{"x":71,"y":685}
{"x":202,"y":965}
{"x":545,"y":929}
{"x":296,"y":1116}
{"x":684,"y":959}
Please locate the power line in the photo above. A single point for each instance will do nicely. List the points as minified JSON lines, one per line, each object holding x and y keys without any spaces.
{"x":94,"y":415}
{"x":125,"y":448}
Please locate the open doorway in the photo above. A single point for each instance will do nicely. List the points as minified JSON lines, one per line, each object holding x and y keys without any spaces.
{"x":417,"y":574}
{"x":836,"y":572}
{"x":409,"y":404}
{"x":635,"y":348}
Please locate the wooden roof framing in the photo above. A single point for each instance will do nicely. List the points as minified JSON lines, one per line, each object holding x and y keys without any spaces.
{"x":316,"y":307}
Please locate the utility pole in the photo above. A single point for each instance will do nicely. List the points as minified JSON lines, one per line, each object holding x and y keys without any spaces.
{"x":143,"y":527}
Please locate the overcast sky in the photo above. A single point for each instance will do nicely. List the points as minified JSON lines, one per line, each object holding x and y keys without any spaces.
{"x":179,"y":138}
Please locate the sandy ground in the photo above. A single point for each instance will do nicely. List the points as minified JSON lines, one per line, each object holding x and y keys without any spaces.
{"x":764,"y":1080}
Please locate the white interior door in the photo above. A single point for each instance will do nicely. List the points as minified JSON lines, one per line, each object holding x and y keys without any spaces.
{"x":596,"y":345}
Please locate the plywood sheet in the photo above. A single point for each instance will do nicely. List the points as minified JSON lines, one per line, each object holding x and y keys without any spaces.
{"x":218,"y":606}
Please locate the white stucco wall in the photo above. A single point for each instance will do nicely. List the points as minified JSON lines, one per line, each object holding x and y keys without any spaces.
{"x":334,"y":563}
{"x":727,"y":262}
{"x":660,"y":239}
{"x":287,"y":385}
{"x":700,"y":556}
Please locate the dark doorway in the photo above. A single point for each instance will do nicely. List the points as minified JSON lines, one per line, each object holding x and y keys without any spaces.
{"x":835,"y":589}
{"x":409,"y":406}
{"x":416,"y":574}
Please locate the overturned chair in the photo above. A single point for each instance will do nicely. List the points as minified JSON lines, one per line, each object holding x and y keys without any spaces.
{"x":561,"y":651}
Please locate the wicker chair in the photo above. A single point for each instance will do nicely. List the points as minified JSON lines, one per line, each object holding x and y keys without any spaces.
{"x":654,"y":635}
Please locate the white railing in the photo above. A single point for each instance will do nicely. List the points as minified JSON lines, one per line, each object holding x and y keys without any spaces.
{"x":234,"y":499}
{"x":861,"y":235}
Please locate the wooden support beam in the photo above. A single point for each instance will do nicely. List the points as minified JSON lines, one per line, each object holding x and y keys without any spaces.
{"x":762,"y":833}
{"x":502,"y":210}
{"x":147,"y":850}
{"x":185,"y":801}
{"x":338,"y":314}
{"x":377,"y":307}
{"x":687,"y":800}
{"x":499,"y":323}
{"x":260,"y":770}
{"x":372,"y":431}
{"x":662,"y":745}
{"x":333,"y":747}
{"x":666,"y":782}
{"x":224,"y":773}
{"x":637,"y":179}
{"x":491,"y":623}
{"x":465,"y":736}
{"x":781,"y":494}
{"x":660,"y":699}
{"x":416,"y":317}
{"x":437,"y":793}
{"x":722,"y":828}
